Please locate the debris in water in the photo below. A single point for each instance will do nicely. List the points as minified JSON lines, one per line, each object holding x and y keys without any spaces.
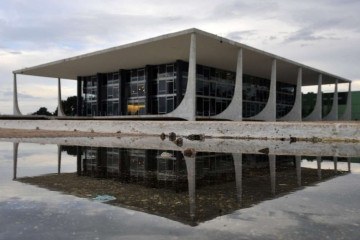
{"x":315,"y":139}
{"x":293,"y":139}
{"x":196,"y":137}
{"x":179,"y":142}
{"x":264,"y":150}
{"x":166,"y":155}
{"x":172,"y":136}
{"x":104,"y":198}
{"x":162,"y":136}
{"x":189,"y":152}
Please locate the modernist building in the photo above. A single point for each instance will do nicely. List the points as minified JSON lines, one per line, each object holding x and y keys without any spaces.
{"x":191,"y":75}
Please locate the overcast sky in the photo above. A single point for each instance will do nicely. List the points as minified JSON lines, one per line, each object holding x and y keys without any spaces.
{"x":324,"y":34}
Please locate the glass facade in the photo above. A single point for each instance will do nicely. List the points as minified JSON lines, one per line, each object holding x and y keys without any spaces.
{"x":136,"y":91}
{"x":214,"y":90}
{"x":148,"y":167}
{"x":90,"y":95}
{"x":255,"y":94}
{"x":163,"y":89}
{"x":159,"y":89}
{"x":110,"y":100}
{"x":285,"y":98}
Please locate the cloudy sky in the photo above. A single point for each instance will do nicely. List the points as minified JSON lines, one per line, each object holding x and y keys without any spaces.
{"x":324,"y":34}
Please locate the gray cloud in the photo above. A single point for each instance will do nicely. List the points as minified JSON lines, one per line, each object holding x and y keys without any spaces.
{"x":244,"y":8}
{"x":47,"y":27}
{"x":305,"y":35}
{"x":333,"y":15}
{"x":241,"y":35}
{"x":15,"y":52}
{"x":5,"y":95}
{"x":11,"y":52}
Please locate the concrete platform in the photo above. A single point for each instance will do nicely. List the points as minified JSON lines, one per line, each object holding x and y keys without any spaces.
{"x":312,"y":131}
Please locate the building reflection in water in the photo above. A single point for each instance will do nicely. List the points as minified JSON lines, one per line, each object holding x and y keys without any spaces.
{"x":187,"y":189}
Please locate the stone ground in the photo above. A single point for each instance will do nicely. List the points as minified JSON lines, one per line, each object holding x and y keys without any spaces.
{"x":20,"y":133}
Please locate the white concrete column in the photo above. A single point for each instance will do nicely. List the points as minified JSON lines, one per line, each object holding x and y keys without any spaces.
{"x":335,"y":163}
{"x":16,"y":110}
{"x":347,"y":114}
{"x":190,"y":167}
{"x":298,"y":169}
{"x":234,"y":110}
{"x":15,"y":158}
{"x":295,"y":112}
{"x":238,"y":176}
{"x":316,"y":114}
{"x":60,"y":112}
{"x":187,"y":107}
{"x":59,"y":159}
{"x":272,"y":164}
{"x":318,"y":160}
{"x":269,"y":112}
{"x":333,"y":114}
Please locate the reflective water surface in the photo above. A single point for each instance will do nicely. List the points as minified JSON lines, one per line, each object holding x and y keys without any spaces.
{"x":51,"y":191}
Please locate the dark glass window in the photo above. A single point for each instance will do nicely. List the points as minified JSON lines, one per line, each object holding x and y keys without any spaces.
{"x":199,"y":106}
{"x":170,"y":87}
{"x":200,"y":87}
{"x":116,"y":108}
{"x":218,"y":106}
{"x":170,"y":104}
{"x":162,"y":104}
{"x":134,"y":90}
{"x":206,"y":88}
{"x":162,"y":87}
{"x":212,"y":106}
{"x":212,"y":89}
{"x":141,"y":89}
{"x":162,"y":69}
{"x":116,"y":92}
{"x":206,"y":107}
{"x":170,"y":69}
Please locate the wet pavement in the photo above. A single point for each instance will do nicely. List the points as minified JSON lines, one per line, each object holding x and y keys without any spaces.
{"x":49,"y":191}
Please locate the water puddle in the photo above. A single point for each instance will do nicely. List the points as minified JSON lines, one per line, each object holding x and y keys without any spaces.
{"x":197,"y":190}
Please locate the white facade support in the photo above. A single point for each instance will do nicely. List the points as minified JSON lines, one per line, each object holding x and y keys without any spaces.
{"x":334,"y":112}
{"x":16,"y":110}
{"x":269,"y":112}
{"x":238,"y":176}
{"x":347,"y":114}
{"x":187,"y":107}
{"x":15,"y":158}
{"x":234,"y":110}
{"x":190,"y":167}
{"x":316,"y":114}
{"x":296,"y":111}
{"x":59,"y":159}
{"x":60,"y":112}
{"x":335,"y":163}
{"x":318,"y":161}
{"x":272,"y":165}
{"x":298,"y":169}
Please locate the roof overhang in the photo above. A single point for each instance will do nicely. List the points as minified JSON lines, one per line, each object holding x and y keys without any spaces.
{"x":211,"y":50}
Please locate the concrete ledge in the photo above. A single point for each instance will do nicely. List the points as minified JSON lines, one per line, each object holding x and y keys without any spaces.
{"x":337,"y":131}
